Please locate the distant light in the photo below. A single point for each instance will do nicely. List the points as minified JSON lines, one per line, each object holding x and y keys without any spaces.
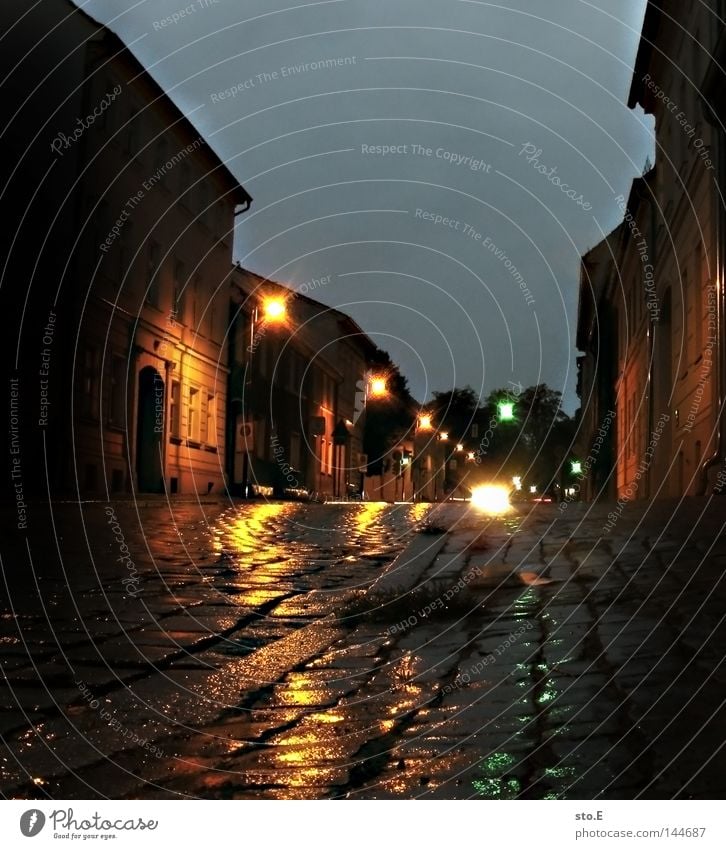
{"x":533,"y":489}
{"x":459,"y":447}
{"x":505,"y":411}
{"x":491,"y":498}
{"x":274,"y":309}
{"x":576,"y":467}
{"x":424,"y":422}
{"x":444,"y":435}
{"x":377,"y":387}
{"x":517,"y":481}
{"x":471,"y":456}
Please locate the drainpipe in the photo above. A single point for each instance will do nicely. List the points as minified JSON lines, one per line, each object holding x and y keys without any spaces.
{"x":710,"y":113}
{"x":651,"y":339}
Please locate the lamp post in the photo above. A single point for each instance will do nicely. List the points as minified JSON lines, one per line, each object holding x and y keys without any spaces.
{"x":423,"y":426}
{"x":270,"y":311}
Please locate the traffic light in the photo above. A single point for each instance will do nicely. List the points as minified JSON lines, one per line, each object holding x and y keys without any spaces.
{"x":505,"y":411}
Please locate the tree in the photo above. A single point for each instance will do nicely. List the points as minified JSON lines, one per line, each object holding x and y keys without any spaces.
{"x":537,"y":441}
{"x":387,"y":418}
{"x":454,"y":411}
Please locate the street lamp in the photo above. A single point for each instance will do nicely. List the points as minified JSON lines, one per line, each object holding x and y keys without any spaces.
{"x":424,"y":422}
{"x":377,"y":387}
{"x":274,"y":309}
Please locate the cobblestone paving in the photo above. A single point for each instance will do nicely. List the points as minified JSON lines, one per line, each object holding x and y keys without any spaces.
{"x":538,"y":655}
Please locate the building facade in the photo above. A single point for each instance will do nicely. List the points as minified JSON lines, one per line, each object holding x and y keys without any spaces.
{"x":133,"y":274}
{"x":662,"y":304}
{"x":298,"y":393}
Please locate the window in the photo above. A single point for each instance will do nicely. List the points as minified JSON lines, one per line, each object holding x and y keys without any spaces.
{"x":203,"y":201}
{"x":131,"y":141}
{"x":117,"y":405}
{"x":126,"y":257}
{"x":210,"y":435}
{"x":178,"y":306}
{"x":152,"y":274}
{"x":211,"y":318}
{"x":196,"y":312}
{"x":185,"y":179}
{"x":175,"y":409}
{"x":89,"y":382}
{"x":295,"y":450}
{"x":161,"y":156}
{"x":193,"y":418}
{"x":697,"y":304}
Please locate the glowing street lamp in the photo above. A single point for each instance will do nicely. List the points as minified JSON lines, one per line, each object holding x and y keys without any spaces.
{"x":274,"y":310}
{"x":517,"y":481}
{"x":377,"y":387}
{"x":533,"y":489}
{"x":444,"y":435}
{"x":424,"y":422}
{"x":575,"y":467}
{"x":459,"y":447}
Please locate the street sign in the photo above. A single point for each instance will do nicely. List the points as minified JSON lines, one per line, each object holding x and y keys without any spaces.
{"x":317,"y":426}
{"x":244,"y":434}
{"x":341,"y":434}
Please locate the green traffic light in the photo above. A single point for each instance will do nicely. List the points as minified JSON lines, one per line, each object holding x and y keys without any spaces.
{"x":505,"y":411}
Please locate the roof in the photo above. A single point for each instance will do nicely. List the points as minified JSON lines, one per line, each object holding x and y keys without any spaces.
{"x":352,"y":327}
{"x":593,"y":263}
{"x":115,"y":46}
{"x":651,"y":22}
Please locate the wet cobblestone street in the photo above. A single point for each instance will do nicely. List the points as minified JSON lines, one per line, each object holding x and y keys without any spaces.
{"x":282,"y":651}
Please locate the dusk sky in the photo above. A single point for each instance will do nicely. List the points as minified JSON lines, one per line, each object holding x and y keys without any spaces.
{"x":451,"y":249}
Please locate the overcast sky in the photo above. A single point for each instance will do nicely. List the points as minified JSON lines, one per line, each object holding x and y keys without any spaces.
{"x":458,"y":88}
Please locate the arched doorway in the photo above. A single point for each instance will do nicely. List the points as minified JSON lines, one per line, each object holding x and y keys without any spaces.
{"x":150,"y":431}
